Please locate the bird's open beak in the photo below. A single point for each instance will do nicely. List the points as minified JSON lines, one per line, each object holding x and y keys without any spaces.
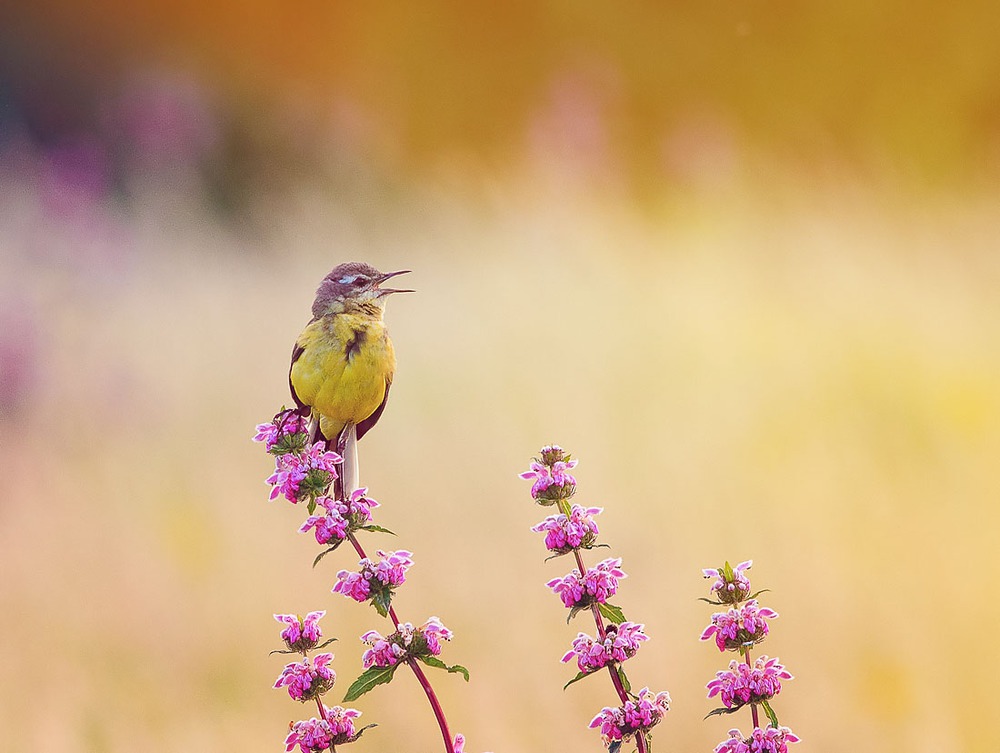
{"x":386,"y":291}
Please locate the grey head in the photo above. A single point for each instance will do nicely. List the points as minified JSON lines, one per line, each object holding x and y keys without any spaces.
{"x":353,"y":284}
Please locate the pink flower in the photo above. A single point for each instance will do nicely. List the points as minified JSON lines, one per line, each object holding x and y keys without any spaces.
{"x":564,"y":534}
{"x":289,"y":472}
{"x":621,"y":643}
{"x":340,"y":518}
{"x":301,"y":635}
{"x":770,"y":740}
{"x":306,"y":681}
{"x":551,"y":476}
{"x":408,"y":641}
{"x":598,"y":585}
{"x":433,"y":632}
{"x":381,"y":652}
{"x":315,"y":735}
{"x":731,"y":586}
{"x":287,"y":432}
{"x":743,"y":683}
{"x":375,"y":579}
{"x":639,"y":715}
{"x":311,"y":736}
{"x":354,"y":585}
{"x":329,"y":526}
{"x":741,"y":627}
{"x":304,"y":475}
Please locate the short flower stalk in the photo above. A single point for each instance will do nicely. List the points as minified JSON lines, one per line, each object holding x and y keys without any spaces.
{"x":747,"y":681}
{"x":572,"y":530}
{"x":305,"y":473}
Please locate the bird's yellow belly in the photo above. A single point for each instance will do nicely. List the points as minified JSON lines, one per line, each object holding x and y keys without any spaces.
{"x":343,"y":370}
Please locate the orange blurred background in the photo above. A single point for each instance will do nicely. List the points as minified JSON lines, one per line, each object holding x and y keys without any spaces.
{"x":739,"y":258}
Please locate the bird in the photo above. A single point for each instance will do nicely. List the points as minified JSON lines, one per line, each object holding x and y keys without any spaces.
{"x":343,"y":362}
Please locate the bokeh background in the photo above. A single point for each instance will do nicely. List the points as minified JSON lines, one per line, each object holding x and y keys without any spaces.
{"x":740,"y":258}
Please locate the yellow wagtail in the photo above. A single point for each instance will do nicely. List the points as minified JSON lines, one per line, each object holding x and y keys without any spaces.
{"x":343,"y":362}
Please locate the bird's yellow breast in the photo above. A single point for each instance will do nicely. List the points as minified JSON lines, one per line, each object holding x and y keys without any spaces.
{"x":343,"y":370}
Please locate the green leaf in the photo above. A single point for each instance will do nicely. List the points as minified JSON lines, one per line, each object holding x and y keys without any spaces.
{"x":622,"y":676}
{"x":325,"y":643}
{"x":710,"y":601}
{"x":770,"y":713}
{"x":369,"y":679}
{"x":282,"y":651}
{"x":758,"y":593}
{"x":723,"y":710}
{"x":615,"y":746}
{"x":376,"y":529}
{"x":433,"y":661}
{"x":325,"y":552}
{"x":613,"y":613}
{"x":311,"y":507}
{"x":557,"y":554}
{"x":579,"y":676}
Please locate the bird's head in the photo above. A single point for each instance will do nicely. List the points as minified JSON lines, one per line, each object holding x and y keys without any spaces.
{"x":353,"y":285}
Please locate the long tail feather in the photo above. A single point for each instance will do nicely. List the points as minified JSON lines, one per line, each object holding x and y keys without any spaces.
{"x":351,"y":472}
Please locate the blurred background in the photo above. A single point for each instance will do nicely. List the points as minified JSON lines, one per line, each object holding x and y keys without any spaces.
{"x":740,"y":258}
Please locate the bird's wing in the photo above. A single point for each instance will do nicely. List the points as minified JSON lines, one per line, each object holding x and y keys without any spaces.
{"x":297,"y":351}
{"x":366,"y":424}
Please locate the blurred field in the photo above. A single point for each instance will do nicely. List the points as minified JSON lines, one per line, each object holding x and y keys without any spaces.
{"x":810,"y":380}
{"x":740,"y":259}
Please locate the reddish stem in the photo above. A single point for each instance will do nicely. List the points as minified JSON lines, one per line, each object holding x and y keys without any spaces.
{"x":435,"y":704}
{"x":415,"y":667}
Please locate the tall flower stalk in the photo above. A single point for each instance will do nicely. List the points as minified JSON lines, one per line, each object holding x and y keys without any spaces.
{"x":747,"y":681}
{"x":570,"y":531}
{"x":305,"y":473}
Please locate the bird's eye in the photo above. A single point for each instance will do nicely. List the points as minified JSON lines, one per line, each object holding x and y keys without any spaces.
{"x":347,"y":279}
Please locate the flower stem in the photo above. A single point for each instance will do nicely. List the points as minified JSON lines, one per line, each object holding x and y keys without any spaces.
{"x":415,"y":667}
{"x":435,"y":704}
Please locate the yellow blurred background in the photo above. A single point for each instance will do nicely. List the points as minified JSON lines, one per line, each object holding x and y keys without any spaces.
{"x":740,"y":258}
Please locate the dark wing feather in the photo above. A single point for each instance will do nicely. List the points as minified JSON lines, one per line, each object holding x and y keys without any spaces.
{"x":297,"y":351}
{"x":364,"y":426}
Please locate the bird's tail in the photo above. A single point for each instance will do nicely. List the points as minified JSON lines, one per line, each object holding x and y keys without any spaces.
{"x":350,"y":470}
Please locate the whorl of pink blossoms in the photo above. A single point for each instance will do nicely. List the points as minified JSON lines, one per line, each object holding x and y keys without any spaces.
{"x":284,"y":423}
{"x":407,"y":641}
{"x":301,"y":635}
{"x":620,"y":644}
{"x":730,"y":587}
{"x":551,"y":476}
{"x":739,"y":627}
{"x":598,"y":585}
{"x":306,"y":681}
{"x":770,"y":740}
{"x":331,"y":525}
{"x":382,"y":652}
{"x":742,"y":683}
{"x":388,"y":572}
{"x":564,"y":534}
{"x":639,"y":715}
{"x":315,"y":467}
{"x":340,"y":517}
{"x":315,"y":735}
